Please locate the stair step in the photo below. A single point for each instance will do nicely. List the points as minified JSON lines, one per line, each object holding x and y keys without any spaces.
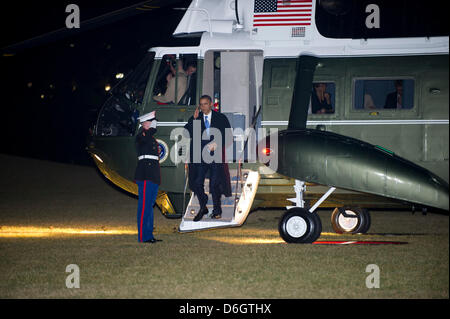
{"x":228,"y":206}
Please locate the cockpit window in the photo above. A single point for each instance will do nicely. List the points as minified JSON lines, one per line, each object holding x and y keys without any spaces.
{"x":119,"y":114}
{"x":176,"y":80}
{"x":133,"y":86}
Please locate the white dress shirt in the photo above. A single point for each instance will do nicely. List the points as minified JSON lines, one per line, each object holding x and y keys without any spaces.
{"x":209,"y":116}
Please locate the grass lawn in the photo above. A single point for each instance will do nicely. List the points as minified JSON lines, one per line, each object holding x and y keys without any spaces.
{"x":45,"y":207}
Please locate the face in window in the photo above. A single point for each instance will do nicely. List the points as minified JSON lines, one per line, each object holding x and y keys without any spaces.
{"x":399,"y":86}
{"x":320,"y":87}
{"x":191,"y":70}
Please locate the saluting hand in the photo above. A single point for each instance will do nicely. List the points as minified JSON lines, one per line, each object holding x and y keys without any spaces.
{"x":145,"y":126}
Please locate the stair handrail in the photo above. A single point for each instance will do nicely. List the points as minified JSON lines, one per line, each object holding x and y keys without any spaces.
{"x":239,"y":171}
{"x":186,"y":178}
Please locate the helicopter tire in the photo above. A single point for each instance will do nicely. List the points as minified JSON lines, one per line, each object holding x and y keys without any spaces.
{"x":300,"y":226}
{"x":350,"y":220}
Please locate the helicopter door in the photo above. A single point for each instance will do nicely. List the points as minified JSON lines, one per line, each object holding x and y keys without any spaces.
{"x":234,"y":80}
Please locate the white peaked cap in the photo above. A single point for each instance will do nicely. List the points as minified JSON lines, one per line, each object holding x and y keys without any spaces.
{"x":147,"y":117}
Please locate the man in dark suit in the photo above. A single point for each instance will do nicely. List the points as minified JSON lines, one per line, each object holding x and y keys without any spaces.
{"x":394,"y":99}
{"x":210,"y":124}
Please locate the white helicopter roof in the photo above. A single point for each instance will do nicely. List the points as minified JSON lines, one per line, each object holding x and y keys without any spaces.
{"x":282,"y":28}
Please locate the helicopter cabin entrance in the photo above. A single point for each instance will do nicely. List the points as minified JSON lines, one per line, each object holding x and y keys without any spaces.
{"x":234,"y":81}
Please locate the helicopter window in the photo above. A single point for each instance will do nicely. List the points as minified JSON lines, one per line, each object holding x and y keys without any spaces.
{"x":176,"y":80}
{"x":394,"y":94}
{"x":117,"y":118}
{"x":322,"y":99}
{"x":119,"y":114}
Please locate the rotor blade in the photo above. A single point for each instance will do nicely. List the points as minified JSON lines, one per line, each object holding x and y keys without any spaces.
{"x":108,"y":18}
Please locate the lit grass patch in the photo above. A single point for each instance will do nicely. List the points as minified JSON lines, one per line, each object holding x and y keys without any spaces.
{"x":243,"y":262}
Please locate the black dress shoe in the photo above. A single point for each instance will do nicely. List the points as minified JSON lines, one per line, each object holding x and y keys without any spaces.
{"x":216,"y":215}
{"x":200,"y":214}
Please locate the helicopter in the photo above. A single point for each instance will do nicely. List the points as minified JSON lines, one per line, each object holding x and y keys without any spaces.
{"x":346,"y":104}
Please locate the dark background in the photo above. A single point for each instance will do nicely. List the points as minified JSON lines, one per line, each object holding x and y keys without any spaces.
{"x":53,"y":86}
{"x":53,"y":79}
{"x":398,"y":19}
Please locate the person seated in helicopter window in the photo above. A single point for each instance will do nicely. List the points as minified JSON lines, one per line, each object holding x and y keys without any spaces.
{"x":321,"y":99}
{"x":394,"y":99}
{"x":178,"y":79}
{"x":368,"y":102}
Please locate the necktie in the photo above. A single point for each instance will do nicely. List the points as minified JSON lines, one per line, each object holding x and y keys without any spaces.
{"x":207,"y":125}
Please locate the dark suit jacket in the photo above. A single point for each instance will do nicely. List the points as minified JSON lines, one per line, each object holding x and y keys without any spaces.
{"x":391,"y":101}
{"x":220,"y":122}
{"x":147,"y":169}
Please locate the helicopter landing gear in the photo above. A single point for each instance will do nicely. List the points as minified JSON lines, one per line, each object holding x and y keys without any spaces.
{"x":350,"y":220}
{"x":298,"y":224}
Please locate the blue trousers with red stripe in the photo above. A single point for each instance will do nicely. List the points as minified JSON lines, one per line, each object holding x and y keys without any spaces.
{"x":147,"y":197}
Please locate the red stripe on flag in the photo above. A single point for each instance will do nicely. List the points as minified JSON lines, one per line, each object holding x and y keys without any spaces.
{"x":294,"y":6}
{"x":295,"y":1}
{"x":298,"y":10}
{"x":279,"y":24}
{"x":263,"y":20}
{"x":282,"y":15}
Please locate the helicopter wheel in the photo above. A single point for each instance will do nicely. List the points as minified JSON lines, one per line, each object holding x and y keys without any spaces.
{"x":300,"y":226}
{"x":350,"y":220}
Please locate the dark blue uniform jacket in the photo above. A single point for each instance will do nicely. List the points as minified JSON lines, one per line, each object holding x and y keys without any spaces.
{"x":147,"y":169}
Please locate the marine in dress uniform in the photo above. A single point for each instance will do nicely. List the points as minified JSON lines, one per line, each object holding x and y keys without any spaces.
{"x":219,"y":181}
{"x":147,"y":176}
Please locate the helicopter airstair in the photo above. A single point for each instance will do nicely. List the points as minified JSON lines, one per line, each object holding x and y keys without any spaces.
{"x":235,"y":209}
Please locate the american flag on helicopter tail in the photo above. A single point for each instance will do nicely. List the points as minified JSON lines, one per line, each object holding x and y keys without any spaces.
{"x":282,"y":13}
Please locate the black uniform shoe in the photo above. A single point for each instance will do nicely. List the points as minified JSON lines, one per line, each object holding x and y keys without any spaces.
{"x":201,"y":212}
{"x":152,"y":241}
